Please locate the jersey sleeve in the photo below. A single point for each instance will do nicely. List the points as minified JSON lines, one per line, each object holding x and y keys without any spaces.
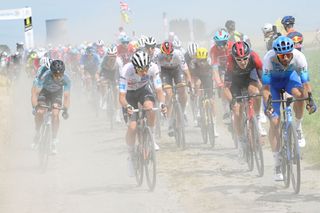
{"x":267,"y":68}
{"x":123,"y":83}
{"x":156,"y":76}
{"x":67,"y":83}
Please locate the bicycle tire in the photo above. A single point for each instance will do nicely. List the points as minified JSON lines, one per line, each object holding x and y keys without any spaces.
{"x":203,"y":125}
{"x":256,"y":147}
{"x":232,"y":130}
{"x":150,"y":163}
{"x":110,"y":108}
{"x":285,"y":166}
{"x":44,"y":147}
{"x":295,"y":172}
{"x":248,"y":148}
{"x":138,"y":164}
{"x":180,"y":126}
{"x":211,"y":129}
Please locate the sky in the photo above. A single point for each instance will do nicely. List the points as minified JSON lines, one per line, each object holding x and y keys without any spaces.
{"x":99,"y":19}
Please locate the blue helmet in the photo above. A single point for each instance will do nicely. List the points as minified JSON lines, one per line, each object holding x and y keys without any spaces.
{"x":287,"y":20}
{"x":221,"y":35}
{"x":124,"y":39}
{"x":283,"y":45}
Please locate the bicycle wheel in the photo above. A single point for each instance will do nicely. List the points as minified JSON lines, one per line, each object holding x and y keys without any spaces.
{"x":248,"y":147}
{"x":44,"y":147}
{"x":232,"y":130}
{"x":256,"y":146}
{"x":203,"y":125}
{"x":285,"y":166}
{"x":180,"y":126}
{"x":295,"y":172}
{"x":158,"y":124}
{"x":150,"y":159}
{"x":138,"y":161}
{"x":110,"y":108}
{"x":211,"y":129}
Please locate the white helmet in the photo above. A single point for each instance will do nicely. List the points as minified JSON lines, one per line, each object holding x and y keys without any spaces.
{"x":267,"y":28}
{"x":100,"y":42}
{"x":140,"y":60}
{"x":45,"y":61}
{"x":112,"y":50}
{"x":192,"y":49}
{"x":150,"y":41}
{"x":176,"y":43}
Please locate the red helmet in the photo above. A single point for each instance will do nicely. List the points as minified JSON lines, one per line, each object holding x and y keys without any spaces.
{"x":167,"y":48}
{"x":240,"y":49}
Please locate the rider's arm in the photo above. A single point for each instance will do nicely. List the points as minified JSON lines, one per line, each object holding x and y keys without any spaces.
{"x":35,"y":91}
{"x":123,"y":86}
{"x":66,"y":92}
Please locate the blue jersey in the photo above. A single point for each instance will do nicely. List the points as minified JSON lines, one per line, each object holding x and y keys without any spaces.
{"x":90,"y":63}
{"x":48,"y":83}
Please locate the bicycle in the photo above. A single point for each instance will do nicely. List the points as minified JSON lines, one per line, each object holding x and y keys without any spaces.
{"x":252,"y":146}
{"x":289,"y":146}
{"x":45,"y":139}
{"x":144,"y":152}
{"x":207,"y":121}
{"x":177,"y":120}
{"x":108,"y":102}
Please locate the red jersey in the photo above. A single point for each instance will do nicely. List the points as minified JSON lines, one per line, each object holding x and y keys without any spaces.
{"x":219,"y":56}
{"x":234,"y":71}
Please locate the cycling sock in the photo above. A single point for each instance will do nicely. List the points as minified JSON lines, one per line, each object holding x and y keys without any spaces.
{"x":299,"y":124}
{"x":276,"y":158}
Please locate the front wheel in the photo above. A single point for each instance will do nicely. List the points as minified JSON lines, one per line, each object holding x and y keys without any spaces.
{"x":294,"y":159}
{"x":256,"y":146}
{"x":285,"y":165}
{"x":150,"y":159}
{"x":211,"y":127}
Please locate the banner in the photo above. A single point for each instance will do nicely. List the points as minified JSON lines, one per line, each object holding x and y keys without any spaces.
{"x":21,"y":13}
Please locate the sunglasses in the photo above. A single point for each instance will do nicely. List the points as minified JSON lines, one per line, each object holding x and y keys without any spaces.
{"x":145,"y":69}
{"x":242,"y":59}
{"x":221,"y":43}
{"x":287,"y":55}
{"x":150,"y":47}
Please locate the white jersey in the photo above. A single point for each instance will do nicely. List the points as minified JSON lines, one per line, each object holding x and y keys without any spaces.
{"x":272,"y":64}
{"x":130,"y":80}
{"x":177,"y":61}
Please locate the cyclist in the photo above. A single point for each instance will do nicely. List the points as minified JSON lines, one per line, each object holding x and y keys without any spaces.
{"x":190,"y":56}
{"x":52,"y":89}
{"x":202,"y":70}
{"x":297,"y":37}
{"x":219,"y":53}
{"x":151,"y":49}
{"x":134,"y":89}
{"x":234,"y":35}
{"x":109,"y":73}
{"x":281,"y":69}
{"x":122,"y":49}
{"x":270,"y":34}
{"x":89,"y":65}
{"x":243,"y":71}
{"x":173,"y":68}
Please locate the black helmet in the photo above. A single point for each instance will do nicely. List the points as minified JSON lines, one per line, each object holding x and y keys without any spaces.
{"x":57,"y":66}
{"x":287,"y":20}
{"x":230,"y":25}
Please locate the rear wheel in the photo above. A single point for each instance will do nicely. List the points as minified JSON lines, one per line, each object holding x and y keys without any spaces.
{"x":110,"y":108}
{"x":150,"y":159}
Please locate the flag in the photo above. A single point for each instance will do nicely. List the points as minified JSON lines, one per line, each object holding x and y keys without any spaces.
{"x":124,"y":9}
{"x":123,"y":6}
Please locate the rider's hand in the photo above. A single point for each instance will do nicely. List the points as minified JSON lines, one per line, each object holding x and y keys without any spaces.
{"x":269,"y":111}
{"x":163,"y":108}
{"x":65,"y":113}
{"x":311,"y":106}
{"x":232,"y":103}
{"x":220,"y":84}
{"x":129,"y":109}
